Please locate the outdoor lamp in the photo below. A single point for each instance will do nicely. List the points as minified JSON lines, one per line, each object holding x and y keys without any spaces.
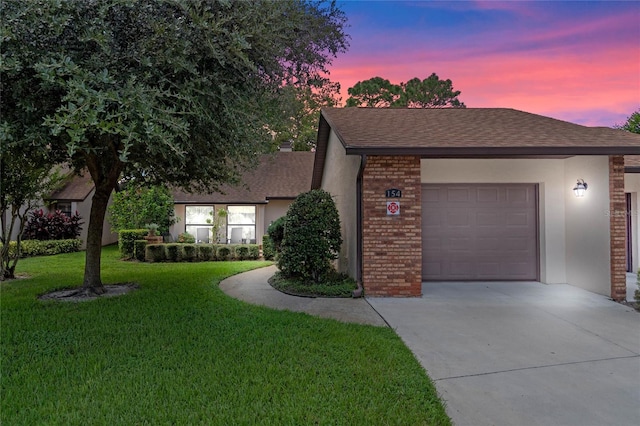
{"x":580,"y":188}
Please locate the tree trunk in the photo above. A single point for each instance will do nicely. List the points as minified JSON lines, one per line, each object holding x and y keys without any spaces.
{"x":105,"y":179}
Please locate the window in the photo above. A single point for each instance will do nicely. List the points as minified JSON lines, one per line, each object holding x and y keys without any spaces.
{"x":198,"y":222}
{"x":241,"y":224}
{"x":63,"y":207}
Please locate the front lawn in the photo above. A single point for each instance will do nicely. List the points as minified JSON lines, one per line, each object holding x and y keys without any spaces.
{"x":179,"y":351}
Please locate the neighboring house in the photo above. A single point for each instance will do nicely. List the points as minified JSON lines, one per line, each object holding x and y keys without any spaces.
{"x":263,"y":196}
{"x":632,"y":189}
{"x":477,"y":194}
{"x":75,"y":195}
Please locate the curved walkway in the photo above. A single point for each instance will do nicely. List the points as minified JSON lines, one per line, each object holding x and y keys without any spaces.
{"x":253,"y":287}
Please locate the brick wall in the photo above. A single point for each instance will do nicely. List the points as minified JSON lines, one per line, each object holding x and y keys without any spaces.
{"x":392,"y":245}
{"x":617,"y":220}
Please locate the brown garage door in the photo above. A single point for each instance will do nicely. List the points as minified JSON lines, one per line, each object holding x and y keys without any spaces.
{"x":479,"y":232}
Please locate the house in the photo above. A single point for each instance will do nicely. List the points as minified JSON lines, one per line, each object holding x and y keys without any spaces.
{"x":478,"y":194}
{"x":632,"y":189}
{"x":263,"y":196}
{"x":75,"y":195}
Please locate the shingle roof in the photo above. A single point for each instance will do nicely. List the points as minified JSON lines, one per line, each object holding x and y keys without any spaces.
{"x":463,"y":131}
{"x":76,"y":188}
{"x":632,"y":163}
{"x":283,"y":175}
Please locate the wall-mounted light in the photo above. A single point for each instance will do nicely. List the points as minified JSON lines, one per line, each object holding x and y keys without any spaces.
{"x":580,"y":188}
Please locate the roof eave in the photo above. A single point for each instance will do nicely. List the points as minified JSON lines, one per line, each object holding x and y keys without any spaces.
{"x":492,"y":152}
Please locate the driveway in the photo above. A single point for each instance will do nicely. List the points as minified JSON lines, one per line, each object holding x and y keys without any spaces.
{"x":522,"y":353}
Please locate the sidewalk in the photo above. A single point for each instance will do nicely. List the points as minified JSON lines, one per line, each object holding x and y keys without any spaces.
{"x":253,"y":287}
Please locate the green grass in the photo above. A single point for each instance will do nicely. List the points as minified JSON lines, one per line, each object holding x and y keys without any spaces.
{"x":336,"y":285}
{"x":179,"y":351}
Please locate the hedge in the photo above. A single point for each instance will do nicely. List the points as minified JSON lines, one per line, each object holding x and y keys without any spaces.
{"x":127,"y":239}
{"x":30,"y":248}
{"x":268,"y":249}
{"x":180,"y":252}
{"x":140,"y":249}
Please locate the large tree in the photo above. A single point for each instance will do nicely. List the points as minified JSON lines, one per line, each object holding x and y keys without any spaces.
{"x":161,"y":91}
{"x":632,"y":124}
{"x":432,"y":92}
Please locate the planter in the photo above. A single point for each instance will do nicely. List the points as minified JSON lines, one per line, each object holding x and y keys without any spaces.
{"x":155,"y":239}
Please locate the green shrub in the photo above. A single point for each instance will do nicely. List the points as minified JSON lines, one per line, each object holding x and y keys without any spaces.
{"x":174,"y":252}
{"x":30,"y":248}
{"x":276,"y":233}
{"x":268,"y":249}
{"x":205,"y":252}
{"x":223,"y":253}
{"x":311,"y":236}
{"x":126,"y":241}
{"x":140,"y":249}
{"x":189,"y":252}
{"x":242,"y":252}
{"x":186,"y":238}
{"x":155,"y":253}
{"x":254,"y":251}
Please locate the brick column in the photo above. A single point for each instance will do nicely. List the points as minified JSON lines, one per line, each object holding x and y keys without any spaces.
{"x":391,"y":245}
{"x":617,"y":220}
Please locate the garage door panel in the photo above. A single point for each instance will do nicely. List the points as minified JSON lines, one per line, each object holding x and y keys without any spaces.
{"x":480,"y":232}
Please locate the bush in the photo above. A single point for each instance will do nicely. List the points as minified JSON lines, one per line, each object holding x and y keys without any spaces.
{"x":276,"y":233}
{"x":186,"y":238}
{"x":155,"y":253}
{"x":311,"y":237}
{"x":174,"y":252}
{"x":242,"y":252}
{"x":133,"y":207}
{"x":268,"y":249}
{"x":223,"y":253}
{"x":127,"y":239}
{"x":189,"y":252}
{"x":52,"y":226}
{"x":30,"y":248}
{"x":205,"y":252}
{"x":254,"y":251}
{"x":140,"y":249}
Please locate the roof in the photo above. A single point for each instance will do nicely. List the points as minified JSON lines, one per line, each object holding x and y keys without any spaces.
{"x":632,"y":163}
{"x":282,"y":175}
{"x":76,"y":188}
{"x":464,"y":133}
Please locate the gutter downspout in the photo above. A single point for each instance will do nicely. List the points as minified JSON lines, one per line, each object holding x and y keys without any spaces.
{"x":358,"y":292}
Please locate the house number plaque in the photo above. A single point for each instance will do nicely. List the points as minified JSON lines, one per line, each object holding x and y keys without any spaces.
{"x":393,"y":193}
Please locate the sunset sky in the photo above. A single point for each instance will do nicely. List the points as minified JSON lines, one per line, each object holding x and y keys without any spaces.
{"x":577,"y":61}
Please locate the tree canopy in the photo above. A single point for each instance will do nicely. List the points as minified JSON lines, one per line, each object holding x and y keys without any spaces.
{"x":182,"y":92}
{"x":432,"y":92}
{"x":632,"y":124}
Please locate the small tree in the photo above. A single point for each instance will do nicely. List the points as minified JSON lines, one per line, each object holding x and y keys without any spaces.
{"x":133,"y":208}
{"x":311,"y":237}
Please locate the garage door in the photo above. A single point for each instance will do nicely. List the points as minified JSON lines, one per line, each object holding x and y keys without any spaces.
{"x":479,"y":232}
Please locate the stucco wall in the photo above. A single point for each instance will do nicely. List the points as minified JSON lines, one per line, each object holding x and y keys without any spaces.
{"x":632,"y":185}
{"x":275,"y":210}
{"x":548,"y":173}
{"x":587,"y":224}
{"x":339,"y":179}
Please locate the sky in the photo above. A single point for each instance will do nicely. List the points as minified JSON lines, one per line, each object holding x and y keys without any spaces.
{"x":577,"y":61}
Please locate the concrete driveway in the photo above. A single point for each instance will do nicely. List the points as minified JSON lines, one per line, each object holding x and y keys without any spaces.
{"x":521,"y":353}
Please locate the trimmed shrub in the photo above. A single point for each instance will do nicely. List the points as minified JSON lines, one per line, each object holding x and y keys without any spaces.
{"x":174,"y":252}
{"x":276,"y":233}
{"x":189,"y":253}
{"x":242,"y":252}
{"x":31,"y":248}
{"x":127,"y":239}
{"x":204,"y":252}
{"x":254,"y":251}
{"x":268,"y":249}
{"x":223,"y":253}
{"x":155,"y":253}
{"x":140,"y":249}
{"x":52,"y":226}
{"x":311,"y":237}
